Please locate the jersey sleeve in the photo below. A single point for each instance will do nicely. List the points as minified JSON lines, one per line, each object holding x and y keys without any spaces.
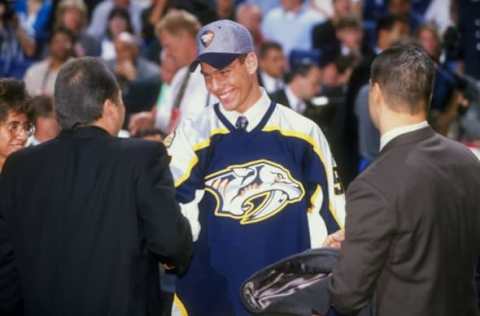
{"x":326,"y":212}
{"x":187,"y":174}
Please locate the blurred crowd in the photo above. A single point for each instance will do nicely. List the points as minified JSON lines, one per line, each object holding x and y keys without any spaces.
{"x":314,"y":56}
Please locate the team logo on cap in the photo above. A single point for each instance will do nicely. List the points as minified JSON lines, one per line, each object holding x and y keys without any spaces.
{"x":207,"y":38}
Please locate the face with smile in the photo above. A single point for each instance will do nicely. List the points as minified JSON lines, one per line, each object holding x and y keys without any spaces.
{"x":234,"y":85}
{"x":14,"y":132}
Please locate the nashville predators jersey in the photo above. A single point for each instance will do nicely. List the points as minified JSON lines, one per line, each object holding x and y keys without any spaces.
{"x":267,"y":193}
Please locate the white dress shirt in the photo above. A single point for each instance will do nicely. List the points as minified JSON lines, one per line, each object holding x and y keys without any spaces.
{"x":296,"y":104}
{"x":254,"y":114}
{"x":394,"y":133}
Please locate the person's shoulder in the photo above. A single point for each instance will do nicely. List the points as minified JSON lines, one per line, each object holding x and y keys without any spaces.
{"x":274,"y":13}
{"x":287,"y":119}
{"x":203,"y":126}
{"x":37,"y":66}
{"x":458,"y":150}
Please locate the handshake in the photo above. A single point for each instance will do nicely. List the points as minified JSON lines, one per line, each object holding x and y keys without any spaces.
{"x":335,"y":240}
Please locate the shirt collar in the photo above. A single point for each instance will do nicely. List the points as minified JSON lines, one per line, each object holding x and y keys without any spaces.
{"x":394,"y":133}
{"x":296,"y":104}
{"x":254,"y":114}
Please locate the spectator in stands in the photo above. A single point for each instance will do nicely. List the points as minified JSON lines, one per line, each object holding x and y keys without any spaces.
{"x":349,"y":33}
{"x":118,"y":22}
{"x":150,"y":17}
{"x":323,"y":34}
{"x":272,"y":66}
{"x":16,"y":46}
{"x":303,"y":83}
{"x":290,"y":24}
{"x":469,"y":27}
{"x":390,"y":29}
{"x":98,"y":24}
{"x":40,"y":77}
{"x":72,"y":15}
{"x":45,"y":120}
{"x":15,"y":128}
{"x":336,"y":72}
{"x":250,"y":16}
{"x":35,"y":16}
{"x":132,"y":71}
{"x":189,"y":96}
{"x":225,"y":9}
{"x":404,"y":8}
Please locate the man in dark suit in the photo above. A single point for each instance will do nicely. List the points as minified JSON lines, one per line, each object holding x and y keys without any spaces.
{"x":303,"y":83}
{"x":411,"y":233}
{"x":90,"y":215}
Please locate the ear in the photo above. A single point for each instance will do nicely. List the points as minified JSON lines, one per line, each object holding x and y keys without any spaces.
{"x":377,"y":95}
{"x":251,"y":62}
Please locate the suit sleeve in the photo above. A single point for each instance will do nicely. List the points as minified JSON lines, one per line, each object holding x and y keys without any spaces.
{"x":10,"y":290}
{"x":167,"y":232}
{"x":368,"y":233}
{"x":324,"y":190}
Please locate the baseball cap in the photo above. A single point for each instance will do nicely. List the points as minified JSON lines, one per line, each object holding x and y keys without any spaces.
{"x":220,"y":42}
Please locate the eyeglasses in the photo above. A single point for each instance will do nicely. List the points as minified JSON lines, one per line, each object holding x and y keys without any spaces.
{"x":14,"y":128}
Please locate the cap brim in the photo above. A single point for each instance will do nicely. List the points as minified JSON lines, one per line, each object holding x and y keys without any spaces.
{"x":216,"y":60}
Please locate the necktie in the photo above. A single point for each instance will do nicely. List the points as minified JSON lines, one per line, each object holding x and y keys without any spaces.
{"x":241,"y":123}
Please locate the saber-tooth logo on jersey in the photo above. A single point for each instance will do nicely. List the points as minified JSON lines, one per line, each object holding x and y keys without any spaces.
{"x":254,"y":191}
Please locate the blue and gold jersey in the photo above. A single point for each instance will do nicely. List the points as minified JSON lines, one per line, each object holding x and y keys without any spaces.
{"x":268,"y":193}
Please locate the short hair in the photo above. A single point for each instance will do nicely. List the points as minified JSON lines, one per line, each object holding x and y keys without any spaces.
{"x":299,"y":70}
{"x":405,"y":74}
{"x":61,"y":30}
{"x":387,"y":23}
{"x":348,"y":22}
{"x":123,"y":13}
{"x":13,"y":98}
{"x":42,"y":106}
{"x":266,"y":46}
{"x":177,"y":21}
{"x":81,"y":88}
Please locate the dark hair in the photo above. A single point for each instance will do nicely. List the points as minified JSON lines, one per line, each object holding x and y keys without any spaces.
{"x":387,"y":23}
{"x":301,"y":69}
{"x":266,"y":46}
{"x":82,"y":87}
{"x":348,"y":22}
{"x":61,"y":30}
{"x":405,"y":74}
{"x":13,"y":98}
{"x":123,"y":13}
{"x":42,"y":106}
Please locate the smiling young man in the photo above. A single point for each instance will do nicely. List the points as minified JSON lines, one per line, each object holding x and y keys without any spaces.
{"x":267,"y":174}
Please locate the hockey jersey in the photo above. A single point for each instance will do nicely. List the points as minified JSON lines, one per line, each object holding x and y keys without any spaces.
{"x":269,"y":192}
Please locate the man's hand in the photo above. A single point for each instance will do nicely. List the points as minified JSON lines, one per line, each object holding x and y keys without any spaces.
{"x":335,"y":240}
{"x":141,"y":120}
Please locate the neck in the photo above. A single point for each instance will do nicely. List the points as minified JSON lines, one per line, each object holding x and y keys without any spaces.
{"x":56,"y":63}
{"x":41,"y":136}
{"x":252,"y":98}
{"x":2,"y":162}
{"x":391,"y":121}
{"x":296,"y":89}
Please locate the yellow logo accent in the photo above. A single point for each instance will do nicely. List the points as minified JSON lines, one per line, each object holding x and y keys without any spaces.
{"x":254,"y":191}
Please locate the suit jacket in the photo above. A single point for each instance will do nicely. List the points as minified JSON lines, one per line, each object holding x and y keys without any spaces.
{"x":88,"y":217}
{"x":412,"y":231}
{"x":280,"y":97}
